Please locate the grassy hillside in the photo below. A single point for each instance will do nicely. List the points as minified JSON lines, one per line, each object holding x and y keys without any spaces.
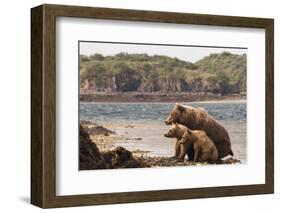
{"x":218,"y":73}
{"x":229,"y":67}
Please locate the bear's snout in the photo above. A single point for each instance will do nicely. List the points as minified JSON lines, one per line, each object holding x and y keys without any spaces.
{"x":167,"y":135}
{"x":168,"y":121}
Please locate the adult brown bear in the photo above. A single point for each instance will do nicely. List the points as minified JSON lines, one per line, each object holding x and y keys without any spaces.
{"x":199,"y":119}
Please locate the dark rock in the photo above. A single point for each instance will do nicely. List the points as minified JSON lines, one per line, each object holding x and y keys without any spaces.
{"x":91,"y":158}
{"x":89,"y":155}
{"x":230,"y":161}
{"x":99,"y":130}
{"x":129,"y":126}
{"x":125,"y":159}
{"x":84,"y":122}
{"x":137,"y":139}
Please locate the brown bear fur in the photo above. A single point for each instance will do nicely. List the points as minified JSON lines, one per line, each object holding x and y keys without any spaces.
{"x":177,"y":131}
{"x":199,"y":119}
{"x":204,"y":148}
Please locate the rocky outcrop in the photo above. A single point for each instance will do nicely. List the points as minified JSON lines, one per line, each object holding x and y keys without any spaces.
{"x":98,"y":130}
{"x":122,"y":158}
{"x":91,"y":158}
{"x":164,"y":86}
{"x":89,"y":155}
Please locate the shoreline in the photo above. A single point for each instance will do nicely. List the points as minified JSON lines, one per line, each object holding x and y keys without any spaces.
{"x":100,"y":153}
{"x":158,"y":98}
{"x":163,"y":102}
{"x":108,"y":137}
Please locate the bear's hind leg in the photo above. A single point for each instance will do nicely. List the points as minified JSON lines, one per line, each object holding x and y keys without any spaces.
{"x":197,"y":152}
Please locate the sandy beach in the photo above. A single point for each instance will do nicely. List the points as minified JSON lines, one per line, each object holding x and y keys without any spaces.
{"x":146,"y":139}
{"x":139,"y":128}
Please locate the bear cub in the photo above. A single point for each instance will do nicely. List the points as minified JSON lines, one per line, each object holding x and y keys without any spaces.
{"x":177,"y":131}
{"x":204,"y":148}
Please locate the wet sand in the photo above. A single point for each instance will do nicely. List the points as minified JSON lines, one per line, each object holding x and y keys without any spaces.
{"x":146,"y":138}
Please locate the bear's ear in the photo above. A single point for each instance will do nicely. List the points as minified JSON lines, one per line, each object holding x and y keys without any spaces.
{"x":180,"y":107}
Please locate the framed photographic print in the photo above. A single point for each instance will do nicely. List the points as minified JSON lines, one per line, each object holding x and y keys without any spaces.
{"x":135,"y":106}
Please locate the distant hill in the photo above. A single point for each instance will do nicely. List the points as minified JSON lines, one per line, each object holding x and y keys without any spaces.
{"x":223,"y":73}
{"x":228,"y":68}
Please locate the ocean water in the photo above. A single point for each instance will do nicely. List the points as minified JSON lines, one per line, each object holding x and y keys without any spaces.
{"x":226,"y":111}
{"x":148,"y":119}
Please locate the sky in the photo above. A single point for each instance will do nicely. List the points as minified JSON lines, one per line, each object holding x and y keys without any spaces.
{"x":186,"y":53}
